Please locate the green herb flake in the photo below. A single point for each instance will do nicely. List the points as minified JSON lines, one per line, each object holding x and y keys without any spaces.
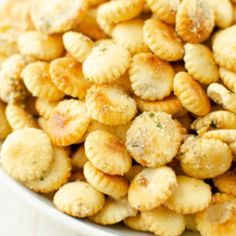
{"x":151,"y":115}
{"x":135,"y":145}
{"x":213,"y":125}
{"x":158,"y":125}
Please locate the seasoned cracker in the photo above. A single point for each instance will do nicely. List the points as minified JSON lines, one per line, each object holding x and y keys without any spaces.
{"x":162,"y":221}
{"x":113,"y":185}
{"x":153,"y":139}
{"x":66,"y":73}
{"x":222,"y":96}
{"x":19,"y":118}
{"x":12,"y":88}
{"x":205,"y":158}
{"x":53,"y":17}
{"x":200,"y":63}
{"x":219,"y":218}
{"x":106,"y":63}
{"x":42,"y":47}
{"x":151,"y":188}
{"x":68,"y":122}
{"x":223,"y":10}
{"x":110,"y":105}
{"x":119,"y":11}
{"x":223,"y":48}
{"x":136,"y":223}
{"x":218,"y":119}
{"x":195,"y":20}
{"x":78,"y":45}
{"x":107,"y":153}
{"x":225,"y":135}
{"x":165,"y":9}
{"x":191,"y":95}
{"x":114,"y":211}
{"x":170,"y":105}
{"x":129,"y":34}
{"x":169,"y":46}
{"x":26,"y":154}
{"x":79,"y":199}
{"x":56,"y":175}
{"x":37,"y":80}
{"x":190,"y":196}
{"x":151,"y":78}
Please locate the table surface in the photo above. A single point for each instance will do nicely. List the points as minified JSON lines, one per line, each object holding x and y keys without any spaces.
{"x":17,"y":218}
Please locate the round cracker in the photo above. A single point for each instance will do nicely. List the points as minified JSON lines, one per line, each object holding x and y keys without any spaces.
{"x":153,"y":139}
{"x":57,"y":16}
{"x":184,"y":201}
{"x":79,"y":199}
{"x":151,"y":78}
{"x":113,"y":185}
{"x":68,"y":122}
{"x":155,"y":185}
{"x":169,"y":46}
{"x":110,"y":105}
{"x":106,"y":63}
{"x":26,"y":154}
{"x":37,"y":80}
{"x":56,"y":175}
{"x":107,"y":153}
{"x":114,"y":211}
